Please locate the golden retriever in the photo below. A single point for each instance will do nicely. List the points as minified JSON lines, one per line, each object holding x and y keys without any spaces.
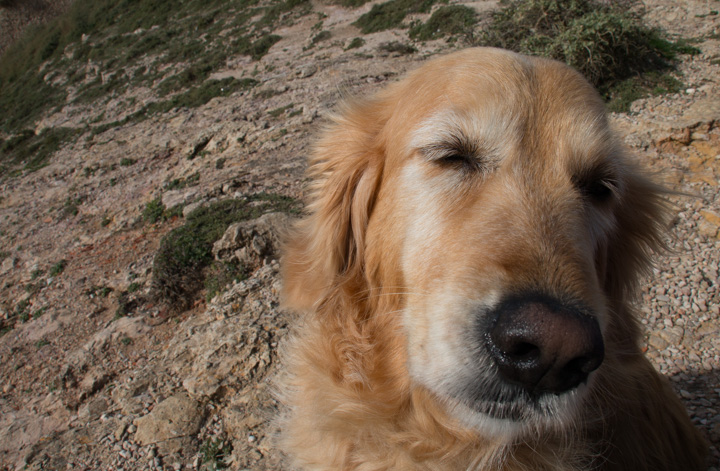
{"x":466,"y":272}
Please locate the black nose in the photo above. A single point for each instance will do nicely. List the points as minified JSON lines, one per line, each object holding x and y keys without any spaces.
{"x":542,"y":345}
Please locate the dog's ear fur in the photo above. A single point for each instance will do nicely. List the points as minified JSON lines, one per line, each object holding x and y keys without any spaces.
{"x":642,"y":219}
{"x":325,"y":248}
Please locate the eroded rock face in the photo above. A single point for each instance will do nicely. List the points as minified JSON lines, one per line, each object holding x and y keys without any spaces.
{"x":176,"y":418}
{"x":252,"y":242}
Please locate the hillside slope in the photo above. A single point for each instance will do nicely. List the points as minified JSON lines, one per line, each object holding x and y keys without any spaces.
{"x":159,"y":112}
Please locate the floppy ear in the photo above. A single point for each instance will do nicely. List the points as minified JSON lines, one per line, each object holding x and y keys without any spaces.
{"x":325,"y":249}
{"x":642,"y":218}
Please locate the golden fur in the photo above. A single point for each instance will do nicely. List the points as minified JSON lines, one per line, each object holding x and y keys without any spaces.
{"x":481,"y":174}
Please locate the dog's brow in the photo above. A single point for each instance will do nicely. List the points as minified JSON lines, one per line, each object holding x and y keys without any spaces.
{"x":459,"y":130}
{"x":436,"y":131}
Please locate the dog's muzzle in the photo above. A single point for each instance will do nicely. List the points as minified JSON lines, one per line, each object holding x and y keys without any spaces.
{"x":542,"y":345}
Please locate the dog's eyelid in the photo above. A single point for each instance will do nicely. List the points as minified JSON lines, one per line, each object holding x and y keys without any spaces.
{"x":456,"y":159}
{"x":454,"y":151}
{"x":437,"y":153}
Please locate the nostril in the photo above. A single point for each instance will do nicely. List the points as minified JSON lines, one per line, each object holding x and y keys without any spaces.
{"x":524,"y":351}
{"x":585,"y":364}
{"x":544,"y":346}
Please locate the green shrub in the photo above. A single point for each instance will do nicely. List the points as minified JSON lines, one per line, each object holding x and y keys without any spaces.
{"x":398,"y":47}
{"x":321,"y":36}
{"x":100,"y":291}
{"x":71,"y":207}
{"x":277,"y":112}
{"x":277,"y":9}
{"x":349,"y":3}
{"x":126,"y":305}
{"x":58,"y":268}
{"x":179,"y":267}
{"x":200,"y":95}
{"x":450,"y":20}
{"x":622,"y":94}
{"x":23,"y":99}
{"x":255,"y":49}
{"x":606,"y":41}
{"x":134,"y":286}
{"x":214,"y":452}
{"x":30,"y":151}
{"x":180,"y":183}
{"x":21,"y":310}
{"x":154,"y":211}
{"x":219,"y":275}
{"x":355,"y":43}
{"x":391,"y":14}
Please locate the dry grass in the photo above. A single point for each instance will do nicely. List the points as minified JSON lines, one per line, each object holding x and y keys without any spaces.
{"x":18,"y":15}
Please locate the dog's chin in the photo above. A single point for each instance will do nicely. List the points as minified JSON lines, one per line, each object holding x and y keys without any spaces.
{"x":509,"y":419}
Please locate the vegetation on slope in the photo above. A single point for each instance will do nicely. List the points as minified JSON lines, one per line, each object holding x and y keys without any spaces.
{"x":104,"y":49}
{"x":607,"y":41}
{"x":184,"y":262}
{"x":101,"y":49}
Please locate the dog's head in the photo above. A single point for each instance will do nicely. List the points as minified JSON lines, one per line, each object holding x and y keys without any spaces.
{"x":488,"y":195}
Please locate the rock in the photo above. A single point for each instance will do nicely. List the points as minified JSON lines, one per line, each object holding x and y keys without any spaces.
{"x":125,"y":327}
{"x":672,"y":335}
{"x":708,"y":329}
{"x":119,"y":433}
{"x":238,"y":422}
{"x":198,"y":145}
{"x":709,"y":223}
{"x":307,"y":71}
{"x":657,"y":342}
{"x":699,"y":112}
{"x":93,"y":381}
{"x":174,"y":198}
{"x":176,"y":417}
{"x":7,"y":265}
{"x":251,"y":242}
{"x":93,"y":409}
{"x":129,"y":397}
{"x":203,"y":385}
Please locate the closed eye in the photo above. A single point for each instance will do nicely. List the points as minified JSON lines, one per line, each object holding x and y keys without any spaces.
{"x":456,"y":152}
{"x":458,"y":161}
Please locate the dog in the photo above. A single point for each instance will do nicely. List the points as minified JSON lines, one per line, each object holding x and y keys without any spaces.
{"x":465,"y":274}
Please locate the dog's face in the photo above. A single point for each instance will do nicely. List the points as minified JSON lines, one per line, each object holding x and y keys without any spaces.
{"x":496,"y":202}
{"x":502,"y":194}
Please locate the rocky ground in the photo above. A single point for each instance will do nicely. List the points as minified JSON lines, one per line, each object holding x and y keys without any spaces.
{"x":86,"y":385}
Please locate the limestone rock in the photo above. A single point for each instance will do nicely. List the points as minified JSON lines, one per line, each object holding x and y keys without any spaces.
{"x":251,"y":242}
{"x":7,"y":265}
{"x":672,"y":335}
{"x":130,"y":327}
{"x":174,"y":198}
{"x":709,"y":223}
{"x":176,"y":417}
